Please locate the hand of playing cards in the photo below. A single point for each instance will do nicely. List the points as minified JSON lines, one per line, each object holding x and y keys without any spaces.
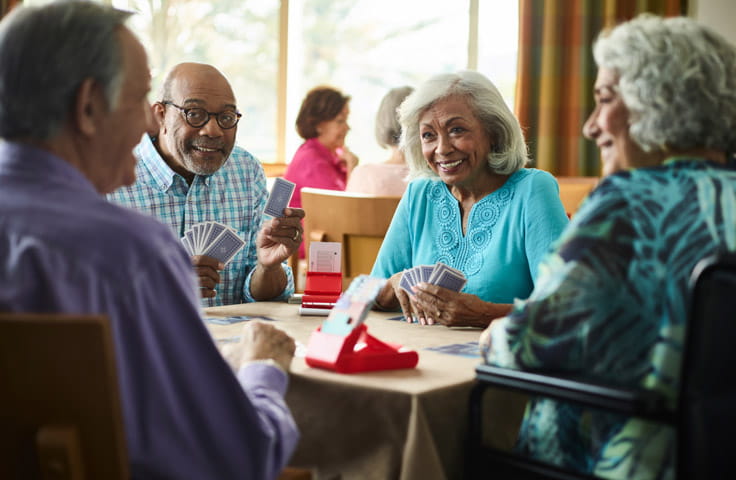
{"x":438,"y":274}
{"x":212,"y":239}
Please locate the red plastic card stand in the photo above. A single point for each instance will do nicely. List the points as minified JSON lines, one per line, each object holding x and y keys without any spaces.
{"x":322,"y":289}
{"x":357,"y":351}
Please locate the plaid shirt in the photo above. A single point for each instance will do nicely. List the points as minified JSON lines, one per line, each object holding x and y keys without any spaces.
{"x":234,"y":195}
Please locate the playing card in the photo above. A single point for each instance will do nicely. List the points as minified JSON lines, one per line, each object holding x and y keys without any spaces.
{"x":418,"y":278}
{"x":187,"y":247}
{"x":197,"y":232}
{"x":225,"y":246}
{"x":189,"y":237}
{"x":450,"y":280}
{"x":203,"y":229}
{"x":412,"y":275}
{"x":405,"y":283}
{"x":214,"y":229}
{"x":469,"y":349}
{"x":325,"y":257}
{"x":426,"y":272}
{"x":280,"y":196}
{"x":439,"y":268}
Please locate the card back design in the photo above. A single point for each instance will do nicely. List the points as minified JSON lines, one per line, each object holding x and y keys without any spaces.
{"x":279,"y":198}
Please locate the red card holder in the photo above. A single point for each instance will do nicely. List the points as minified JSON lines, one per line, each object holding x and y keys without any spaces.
{"x":322,"y":289}
{"x":356,"y":352}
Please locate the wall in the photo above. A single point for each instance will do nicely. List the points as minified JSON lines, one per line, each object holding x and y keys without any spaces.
{"x":717,"y":14}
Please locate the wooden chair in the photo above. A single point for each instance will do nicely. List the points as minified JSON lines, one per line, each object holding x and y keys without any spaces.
{"x":358,"y":221}
{"x":573,"y":191}
{"x":294,"y":473}
{"x":60,"y":415}
{"x":703,"y":418}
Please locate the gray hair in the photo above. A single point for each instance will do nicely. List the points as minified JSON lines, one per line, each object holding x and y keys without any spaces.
{"x":678,"y":80}
{"x":46,"y":52}
{"x":388,"y":128}
{"x":508,"y":153}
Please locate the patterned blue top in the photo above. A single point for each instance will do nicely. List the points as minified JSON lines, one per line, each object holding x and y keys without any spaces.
{"x":508,"y":233}
{"x":235,"y":195}
{"x":612,"y":302}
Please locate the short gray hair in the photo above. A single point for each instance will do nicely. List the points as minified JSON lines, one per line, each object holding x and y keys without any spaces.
{"x":46,"y":52}
{"x":509,"y":152}
{"x":388,"y":128}
{"x":678,"y":80}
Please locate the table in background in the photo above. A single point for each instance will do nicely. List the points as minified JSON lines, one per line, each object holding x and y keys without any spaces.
{"x":392,"y":424}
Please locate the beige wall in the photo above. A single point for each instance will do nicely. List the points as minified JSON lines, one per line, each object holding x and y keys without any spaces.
{"x":717,"y":14}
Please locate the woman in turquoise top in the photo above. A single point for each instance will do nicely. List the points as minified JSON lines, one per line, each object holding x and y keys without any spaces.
{"x":611,"y":302}
{"x":471,"y":206}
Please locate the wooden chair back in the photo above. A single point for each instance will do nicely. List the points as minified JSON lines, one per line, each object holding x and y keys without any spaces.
{"x":60,"y":414}
{"x":358,"y":221}
{"x":573,"y":191}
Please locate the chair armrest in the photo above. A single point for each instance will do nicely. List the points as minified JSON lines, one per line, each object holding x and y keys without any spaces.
{"x":633,"y":402}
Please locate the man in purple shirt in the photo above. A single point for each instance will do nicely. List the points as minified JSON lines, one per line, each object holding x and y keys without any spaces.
{"x":73,"y":104}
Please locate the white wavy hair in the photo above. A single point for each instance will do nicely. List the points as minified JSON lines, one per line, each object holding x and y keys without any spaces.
{"x":678,"y":80}
{"x":508,"y":153}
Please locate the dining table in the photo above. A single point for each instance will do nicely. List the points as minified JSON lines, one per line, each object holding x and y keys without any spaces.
{"x":406,"y":424}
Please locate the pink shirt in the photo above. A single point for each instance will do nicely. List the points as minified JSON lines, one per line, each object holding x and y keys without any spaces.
{"x":314,"y":165}
{"x":386,"y":179}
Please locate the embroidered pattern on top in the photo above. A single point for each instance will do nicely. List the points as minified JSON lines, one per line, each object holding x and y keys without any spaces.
{"x":466,"y":253}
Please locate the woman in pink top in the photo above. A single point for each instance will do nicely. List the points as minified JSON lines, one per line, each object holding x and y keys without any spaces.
{"x":323,"y":160}
{"x":388,"y":177}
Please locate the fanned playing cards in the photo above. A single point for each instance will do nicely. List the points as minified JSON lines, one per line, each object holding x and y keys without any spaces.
{"x":437,"y":274}
{"x":213,"y":239}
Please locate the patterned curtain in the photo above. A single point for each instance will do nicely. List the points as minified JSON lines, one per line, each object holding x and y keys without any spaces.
{"x":7,"y":5}
{"x":554,"y":92}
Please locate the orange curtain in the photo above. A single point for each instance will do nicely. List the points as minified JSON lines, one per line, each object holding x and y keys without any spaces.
{"x":7,"y":5}
{"x":554,"y":92}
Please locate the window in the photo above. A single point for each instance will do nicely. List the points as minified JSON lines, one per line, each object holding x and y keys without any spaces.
{"x":362,"y":47}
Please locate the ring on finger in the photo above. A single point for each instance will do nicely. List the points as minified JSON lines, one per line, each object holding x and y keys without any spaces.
{"x":296,"y":235}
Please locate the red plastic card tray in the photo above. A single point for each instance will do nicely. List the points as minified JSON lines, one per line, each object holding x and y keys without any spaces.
{"x":356,"y":352}
{"x":322,"y":289}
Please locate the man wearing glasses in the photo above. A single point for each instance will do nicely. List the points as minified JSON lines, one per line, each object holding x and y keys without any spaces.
{"x":190,"y":171}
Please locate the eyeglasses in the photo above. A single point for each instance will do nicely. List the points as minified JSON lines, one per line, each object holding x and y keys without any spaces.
{"x":198,"y":117}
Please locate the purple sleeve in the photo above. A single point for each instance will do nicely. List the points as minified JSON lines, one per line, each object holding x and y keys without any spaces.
{"x":186,"y":414}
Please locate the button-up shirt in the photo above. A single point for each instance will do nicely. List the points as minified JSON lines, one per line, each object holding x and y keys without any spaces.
{"x":235,"y":195}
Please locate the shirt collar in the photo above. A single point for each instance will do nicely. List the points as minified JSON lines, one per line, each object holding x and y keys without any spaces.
{"x":27,"y":160}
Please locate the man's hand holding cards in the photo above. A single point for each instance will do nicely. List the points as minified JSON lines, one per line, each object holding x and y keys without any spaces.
{"x":211,"y":245}
{"x":280,"y":235}
{"x":212,"y":239}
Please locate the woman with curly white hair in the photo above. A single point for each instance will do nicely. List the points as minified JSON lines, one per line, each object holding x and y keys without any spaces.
{"x":472,"y":205}
{"x":611,"y":301}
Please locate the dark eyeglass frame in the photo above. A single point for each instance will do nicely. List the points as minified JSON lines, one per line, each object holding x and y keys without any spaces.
{"x":186,"y":111}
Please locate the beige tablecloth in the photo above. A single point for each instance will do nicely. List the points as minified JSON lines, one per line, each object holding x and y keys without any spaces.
{"x":392,"y":424}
